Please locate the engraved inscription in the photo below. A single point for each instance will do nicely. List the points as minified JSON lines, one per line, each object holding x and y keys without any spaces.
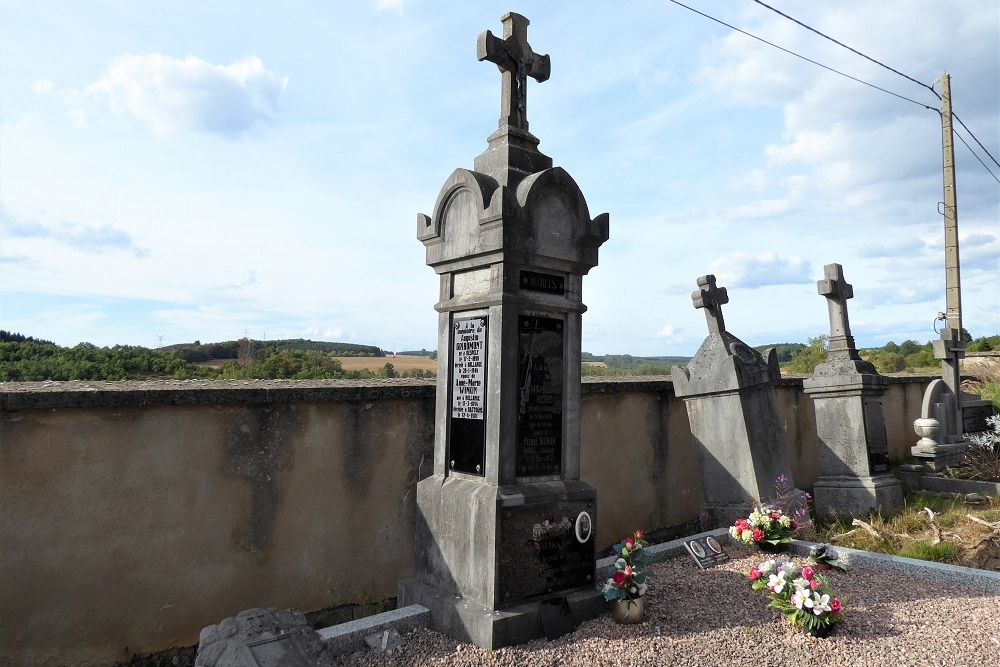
{"x":540,"y":552}
{"x":468,"y":364}
{"x":543,"y":282}
{"x":539,"y":425}
{"x":467,"y":423}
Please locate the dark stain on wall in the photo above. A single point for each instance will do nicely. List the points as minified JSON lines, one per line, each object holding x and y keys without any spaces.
{"x":258,"y":447}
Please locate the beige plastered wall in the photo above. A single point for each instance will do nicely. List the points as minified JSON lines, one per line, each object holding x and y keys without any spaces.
{"x":138,"y":519}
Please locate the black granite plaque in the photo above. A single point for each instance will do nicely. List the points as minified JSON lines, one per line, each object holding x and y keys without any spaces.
{"x":543,"y":282}
{"x":540,"y":553}
{"x":467,"y":424}
{"x":878,"y":444}
{"x":540,"y":396}
{"x":974,"y":418}
{"x":706,"y":551}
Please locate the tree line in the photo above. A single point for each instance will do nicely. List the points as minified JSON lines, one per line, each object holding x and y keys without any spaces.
{"x":25,"y":359}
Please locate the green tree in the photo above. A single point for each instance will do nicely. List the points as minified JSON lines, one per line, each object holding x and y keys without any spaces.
{"x":805,"y":361}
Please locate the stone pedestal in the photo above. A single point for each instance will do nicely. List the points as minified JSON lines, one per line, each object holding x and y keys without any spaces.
{"x":728,"y":389}
{"x":504,"y":522}
{"x":850,"y":428}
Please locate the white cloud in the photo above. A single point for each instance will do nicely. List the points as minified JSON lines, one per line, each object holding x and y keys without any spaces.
{"x":170,"y":94}
{"x":764,"y":208}
{"x":740,"y":269}
{"x":382,"y":5}
{"x":41,"y":86}
{"x":666,"y":331}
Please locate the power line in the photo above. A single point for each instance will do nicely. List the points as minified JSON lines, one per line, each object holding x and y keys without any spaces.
{"x":797,"y":55}
{"x":880,"y":64}
{"x":955,"y":116}
{"x":975,"y":154}
{"x":891,"y":69}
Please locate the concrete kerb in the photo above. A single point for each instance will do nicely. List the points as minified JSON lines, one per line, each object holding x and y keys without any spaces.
{"x":350,"y":637}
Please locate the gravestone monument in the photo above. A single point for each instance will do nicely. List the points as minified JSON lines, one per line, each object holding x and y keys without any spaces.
{"x":504,"y":522}
{"x":728,"y":389}
{"x":850,"y":425}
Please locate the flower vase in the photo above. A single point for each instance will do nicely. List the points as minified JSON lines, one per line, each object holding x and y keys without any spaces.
{"x":821,"y":566}
{"x":769,"y":548}
{"x":627,"y":612}
{"x":819,"y":632}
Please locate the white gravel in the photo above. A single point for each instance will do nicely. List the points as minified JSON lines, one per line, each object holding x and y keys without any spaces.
{"x":712,"y":617}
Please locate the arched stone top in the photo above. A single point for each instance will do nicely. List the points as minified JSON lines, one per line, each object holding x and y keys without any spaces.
{"x":478,"y":221}
{"x":466,"y":189}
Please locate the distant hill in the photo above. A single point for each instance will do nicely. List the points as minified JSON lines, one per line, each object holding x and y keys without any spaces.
{"x":198,"y":351}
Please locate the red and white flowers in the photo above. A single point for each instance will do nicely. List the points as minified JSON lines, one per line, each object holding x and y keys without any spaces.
{"x":802,"y":595}
{"x":628,"y":581}
{"x":765,"y":524}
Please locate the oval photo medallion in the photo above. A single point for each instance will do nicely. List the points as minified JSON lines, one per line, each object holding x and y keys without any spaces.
{"x":583,"y":527}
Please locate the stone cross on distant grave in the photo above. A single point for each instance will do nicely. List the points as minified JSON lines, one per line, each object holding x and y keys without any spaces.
{"x":514,"y":57}
{"x":837,"y":291}
{"x":711,"y":298}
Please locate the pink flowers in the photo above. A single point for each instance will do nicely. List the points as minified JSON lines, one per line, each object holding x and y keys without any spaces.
{"x":807,"y":573}
{"x":758,"y":534}
{"x":619,"y":578}
{"x":835,"y":606}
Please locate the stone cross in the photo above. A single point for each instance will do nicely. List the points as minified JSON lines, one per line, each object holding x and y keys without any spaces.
{"x":514,"y":57}
{"x":837,"y":291}
{"x":711,"y":298}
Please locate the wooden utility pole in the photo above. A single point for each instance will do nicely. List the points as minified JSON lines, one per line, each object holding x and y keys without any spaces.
{"x":953,"y":286}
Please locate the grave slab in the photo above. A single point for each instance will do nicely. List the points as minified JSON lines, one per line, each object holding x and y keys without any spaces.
{"x":263,"y":637}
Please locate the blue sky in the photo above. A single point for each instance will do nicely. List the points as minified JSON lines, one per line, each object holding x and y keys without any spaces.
{"x":199,"y":170}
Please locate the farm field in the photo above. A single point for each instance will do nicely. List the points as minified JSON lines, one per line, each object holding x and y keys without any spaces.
{"x":400,"y":362}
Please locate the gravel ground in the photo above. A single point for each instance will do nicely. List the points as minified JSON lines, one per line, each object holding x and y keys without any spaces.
{"x":712,"y":617}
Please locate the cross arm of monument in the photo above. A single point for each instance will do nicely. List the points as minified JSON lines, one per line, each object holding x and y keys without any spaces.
{"x":837,"y":291}
{"x":711,"y":298}
{"x":514,"y":58}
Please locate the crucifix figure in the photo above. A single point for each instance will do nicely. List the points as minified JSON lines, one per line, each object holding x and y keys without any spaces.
{"x":711,"y":298}
{"x":515,"y":59}
{"x":837,"y":291}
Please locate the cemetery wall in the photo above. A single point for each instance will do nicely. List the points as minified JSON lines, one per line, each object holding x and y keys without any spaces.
{"x":134,"y":514}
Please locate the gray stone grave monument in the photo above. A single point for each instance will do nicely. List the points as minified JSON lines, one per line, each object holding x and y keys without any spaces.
{"x":728,"y":389}
{"x":846,"y":392}
{"x":947,"y":412}
{"x":504,"y":523}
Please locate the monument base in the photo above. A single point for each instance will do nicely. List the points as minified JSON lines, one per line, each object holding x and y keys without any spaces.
{"x":937,"y":457}
{"x":487,"y":557}
{"x":856,"y":496}
{"x":493,"y":629}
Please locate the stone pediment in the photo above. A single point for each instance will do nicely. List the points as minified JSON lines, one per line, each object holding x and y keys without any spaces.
{"x":725,"y":363}
{"x":545,"y":218}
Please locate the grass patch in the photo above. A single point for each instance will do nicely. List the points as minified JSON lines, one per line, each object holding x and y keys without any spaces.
{"x":909,"y":532}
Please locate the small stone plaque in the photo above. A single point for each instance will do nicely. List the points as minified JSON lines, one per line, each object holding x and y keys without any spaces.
{"x":467,"y":427}
{"x":540,"y":552}
{"x":974,"y":417}
{"x":706,"y":551}
{"x":543,"y":282}
{"x":540,"y":396}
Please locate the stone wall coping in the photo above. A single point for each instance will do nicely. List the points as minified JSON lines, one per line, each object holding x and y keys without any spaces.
{"x":51,"y":395}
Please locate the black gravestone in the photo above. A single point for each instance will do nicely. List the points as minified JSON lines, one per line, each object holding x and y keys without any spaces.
{"x":467,"y":422}
{"x":540,"y":551}
{"x":539,"y":424}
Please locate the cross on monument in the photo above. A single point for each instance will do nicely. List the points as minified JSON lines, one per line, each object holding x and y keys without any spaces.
{"x":837,"y":291}
{"x":711,"y":298}
{"x":514,"y":57}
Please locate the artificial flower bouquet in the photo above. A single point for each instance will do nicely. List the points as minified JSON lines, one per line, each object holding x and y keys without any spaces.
{"x":802,"y":595}
{"x":628,"y":581}
{"x":764,"y":526}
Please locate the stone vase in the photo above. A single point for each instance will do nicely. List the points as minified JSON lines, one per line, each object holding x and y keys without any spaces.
{"x":628,"y":612}
{"x":819,"y":632}
{"x":926,"y":428}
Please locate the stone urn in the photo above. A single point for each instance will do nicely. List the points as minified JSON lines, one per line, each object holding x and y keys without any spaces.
{"x":926,"y":428}
{"x":628,"y":612}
